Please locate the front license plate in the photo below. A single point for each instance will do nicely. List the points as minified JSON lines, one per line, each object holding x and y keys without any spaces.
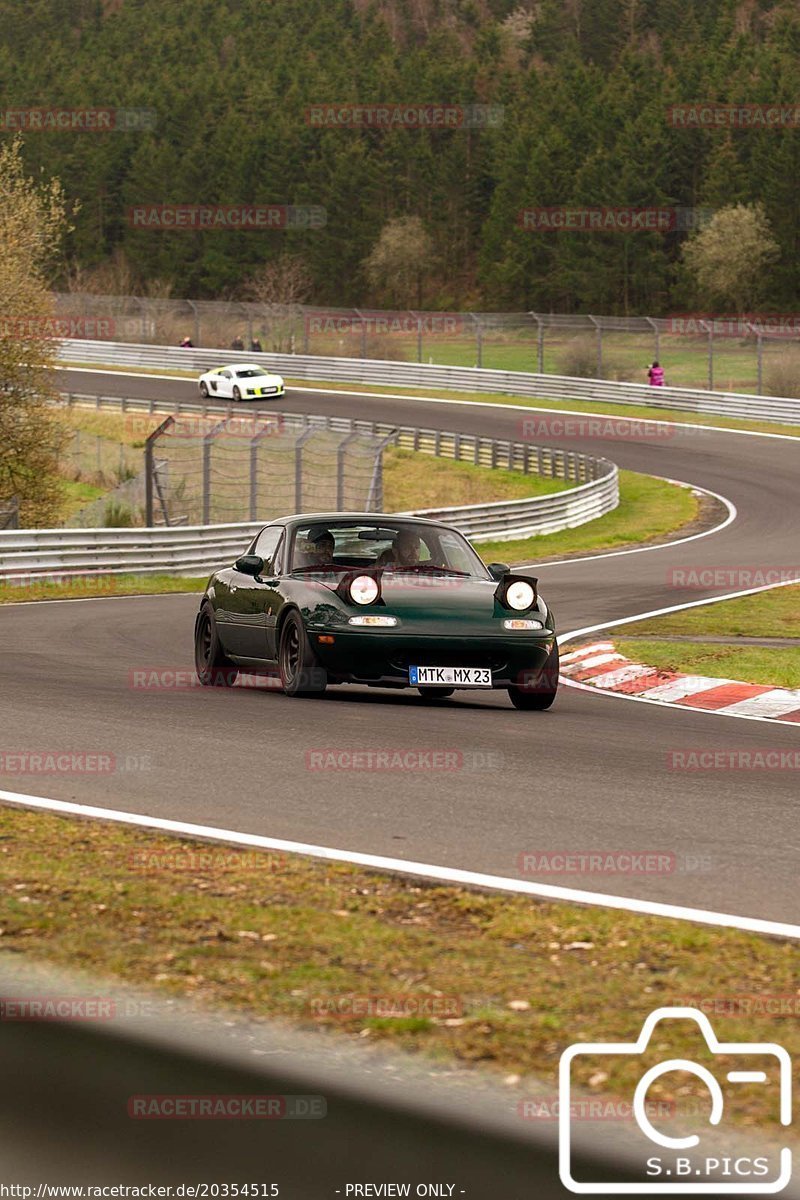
{"x":450,"y":676}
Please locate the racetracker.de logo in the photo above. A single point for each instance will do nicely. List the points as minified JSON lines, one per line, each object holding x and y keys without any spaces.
{"x":733,"y":579}
{"x":404,"y":116}
{"x":597,"y":862}
{"x":56,"y":762}
{"x":77,"y":120}
{"x":711,"y":758}
{"x":410,"y":758}
{"x":241,"y":217}
{"x":773,"y":325}
{"x":386,"y":1007}
{"x":578,"y":219}
{"x":733,"y":116}
{"x":86,"y":328}
{"x":226,"y":1108}
{"x":197,"y":428}
{"x":622,"y":429}
{"x":384,"y":323}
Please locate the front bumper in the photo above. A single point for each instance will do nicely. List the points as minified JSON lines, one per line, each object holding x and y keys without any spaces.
{"x":380,"y":657}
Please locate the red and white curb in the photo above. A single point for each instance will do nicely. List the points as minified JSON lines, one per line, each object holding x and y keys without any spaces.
{"x":600,"y":665}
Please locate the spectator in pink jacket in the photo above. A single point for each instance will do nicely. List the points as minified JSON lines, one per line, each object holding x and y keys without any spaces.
{"x":656,"y":375}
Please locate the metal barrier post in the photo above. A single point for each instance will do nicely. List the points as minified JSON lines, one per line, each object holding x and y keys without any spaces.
{"x":149,"y":468}
{"x":298,"y":467}
{"x":599,"y":329}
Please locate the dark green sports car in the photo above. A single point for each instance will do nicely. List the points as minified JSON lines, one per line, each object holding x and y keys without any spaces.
{"x":392,"y":602}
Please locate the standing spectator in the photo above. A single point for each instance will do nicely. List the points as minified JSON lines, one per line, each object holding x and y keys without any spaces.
{"x":187,"y":344}
{"x":256,"y":346}
{"x":237,"y":343}
{"x":656,"y":375}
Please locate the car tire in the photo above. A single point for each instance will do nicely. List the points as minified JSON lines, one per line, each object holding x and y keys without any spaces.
{"x":214,"y":668}
{"x":541,"y":695}
{"x":204,"y":390}
{"x":301,"y":674}
{"x":237,"y":395}
{"x":432,"y":695}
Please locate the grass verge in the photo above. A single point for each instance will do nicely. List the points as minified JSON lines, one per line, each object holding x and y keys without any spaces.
{"x":775,"y":613}
{"x":415,"y":481}
{"x":495,"y":980}
{"x":649,"y":510}
{"x":86,"y":586}
{"x":778,"y":668}
{"x":771,"y":614}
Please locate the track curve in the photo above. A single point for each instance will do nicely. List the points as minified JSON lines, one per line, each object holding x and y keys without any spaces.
{"x":591,"y":775}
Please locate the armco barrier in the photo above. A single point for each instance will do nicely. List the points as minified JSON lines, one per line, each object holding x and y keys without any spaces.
{"x":192,"y":550}
{"x":65,"y":1118}
{"x":472,"y":379}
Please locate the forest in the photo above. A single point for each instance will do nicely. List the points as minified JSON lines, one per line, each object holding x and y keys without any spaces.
{"x":559,"y":104}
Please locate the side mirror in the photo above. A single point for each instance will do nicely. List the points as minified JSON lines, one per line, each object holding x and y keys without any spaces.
{"x":498,"y":570}
{"x":250,"y":564}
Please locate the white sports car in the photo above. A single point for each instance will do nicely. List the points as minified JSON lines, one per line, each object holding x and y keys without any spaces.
{"x":242,"y":381}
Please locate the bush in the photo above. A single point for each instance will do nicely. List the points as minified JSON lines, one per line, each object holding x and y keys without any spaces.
{"x":580,"y":361}
{"x":782,"y":375}
{"x":117,"y":516}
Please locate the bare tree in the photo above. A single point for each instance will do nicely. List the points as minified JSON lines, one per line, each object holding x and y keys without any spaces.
{"x":399,"y":261}
{"x":279,"y":288}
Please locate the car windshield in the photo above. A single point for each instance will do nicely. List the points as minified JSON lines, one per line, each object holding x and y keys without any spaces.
{"x":391,"y":545}
{"x":248,"y":373}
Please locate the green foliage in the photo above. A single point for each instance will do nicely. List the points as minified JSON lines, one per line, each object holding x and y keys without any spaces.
{"x":583,"y":86}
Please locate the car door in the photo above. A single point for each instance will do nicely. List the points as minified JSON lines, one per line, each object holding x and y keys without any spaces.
{"x":223,"y":384}
{"x":251,"y":603}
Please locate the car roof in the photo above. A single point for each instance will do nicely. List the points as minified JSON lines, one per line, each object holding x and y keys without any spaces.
{"x":371,"y":518}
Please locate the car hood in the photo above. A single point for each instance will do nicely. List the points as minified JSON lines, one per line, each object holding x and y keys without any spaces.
{"x":427,"y":597}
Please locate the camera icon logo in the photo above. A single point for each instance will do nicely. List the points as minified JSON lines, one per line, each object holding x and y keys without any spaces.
{"x":694,"y":1163}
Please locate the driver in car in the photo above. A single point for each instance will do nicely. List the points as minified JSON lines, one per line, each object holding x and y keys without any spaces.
{"x":321,"y":542}
{"x":404,"y":552}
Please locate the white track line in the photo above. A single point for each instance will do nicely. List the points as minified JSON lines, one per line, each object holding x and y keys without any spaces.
{"x":660,"y":612}
{"x":500,"y":883}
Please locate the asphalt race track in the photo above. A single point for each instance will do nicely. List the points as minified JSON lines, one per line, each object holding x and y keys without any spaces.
{"x":591,"y":775}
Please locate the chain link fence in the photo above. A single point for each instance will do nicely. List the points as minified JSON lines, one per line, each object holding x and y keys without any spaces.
{"x":248,"y":469}
{"x":758,"y":354}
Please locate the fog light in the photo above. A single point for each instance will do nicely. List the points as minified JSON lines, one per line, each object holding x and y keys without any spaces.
{"x":374,"y":619}
{"x":521,"y":623}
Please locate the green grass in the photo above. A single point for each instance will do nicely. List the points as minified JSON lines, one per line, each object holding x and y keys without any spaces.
{"x":649,"y":510}
{"x":61,"y":588}
{"x":412,"y":481}
{"x":751,"y":664}
{"x":282,"y":937}
{"x":77,"y":495}
{"x":775,"y":613}
{"x":128,"y":429}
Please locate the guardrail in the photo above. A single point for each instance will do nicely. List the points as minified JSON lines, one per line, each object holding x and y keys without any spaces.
{"x":472,"y":379}
{"x":192,"y":550}
{"x":67,"y":1119}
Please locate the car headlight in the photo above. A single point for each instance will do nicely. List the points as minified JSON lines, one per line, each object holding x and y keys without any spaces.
{"x":520,"y":595}
{"x":364,"y":589}
{"x":522,"y":623}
